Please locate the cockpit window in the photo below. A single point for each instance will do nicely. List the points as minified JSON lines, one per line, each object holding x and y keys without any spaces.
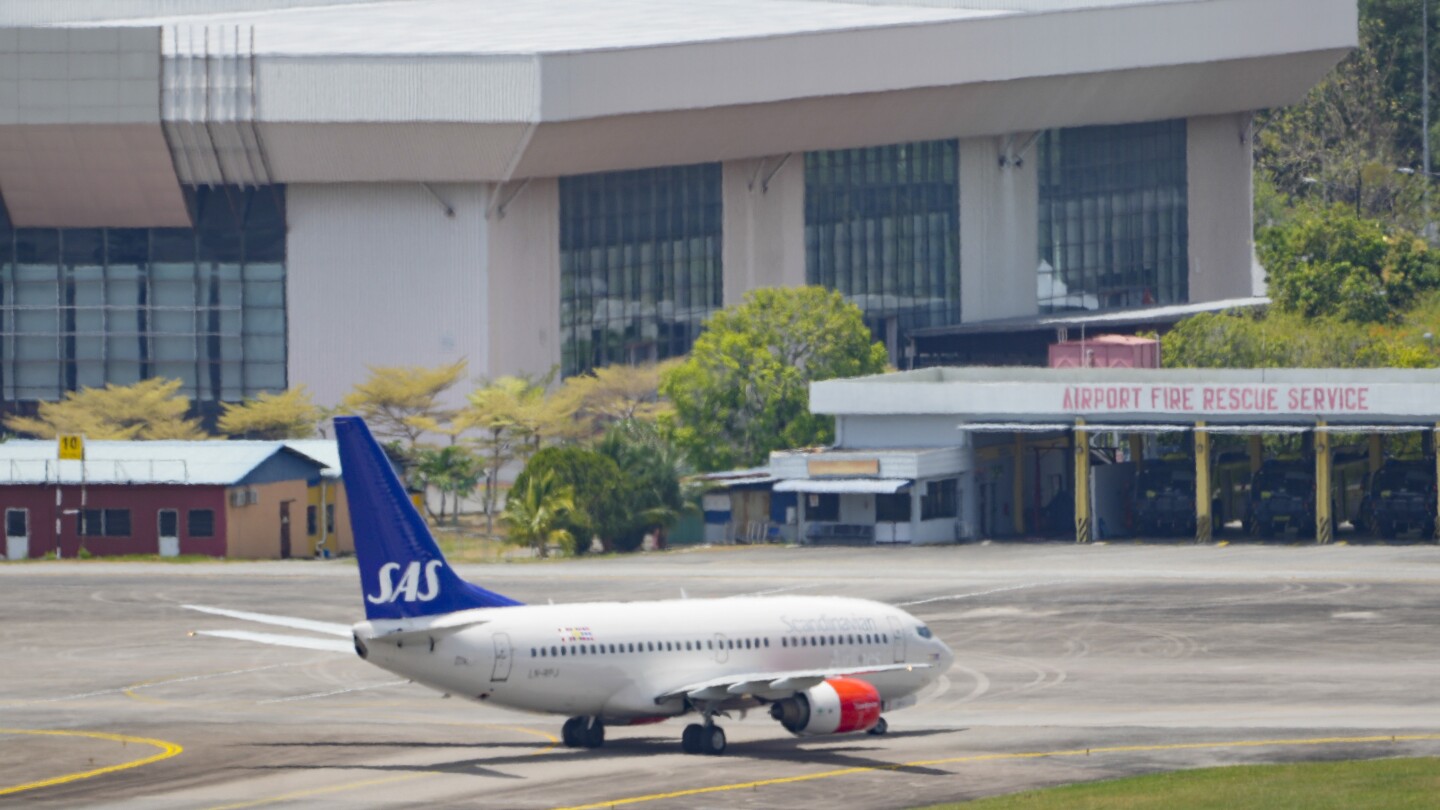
{"x":923,"y":631}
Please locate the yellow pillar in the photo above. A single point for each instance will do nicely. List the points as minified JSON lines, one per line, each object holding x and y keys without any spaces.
{"x":1017,"y":486}
{"x":1437,"y":478}
{"x":1203,"y":520}
{"x":1324,"y":532}
{"x":1257,"y":452}
{"x":1082,"y":483}
{"x":1137,"y":450}
{"x":1377,"y":452}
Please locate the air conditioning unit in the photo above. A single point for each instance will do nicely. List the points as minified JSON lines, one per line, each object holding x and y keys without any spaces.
{"x":244,"y":496}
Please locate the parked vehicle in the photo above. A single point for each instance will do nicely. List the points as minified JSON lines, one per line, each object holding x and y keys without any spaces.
{"x":1282,"y":496}
{"x":1163,"y":501}
{"x":1399,"y":497}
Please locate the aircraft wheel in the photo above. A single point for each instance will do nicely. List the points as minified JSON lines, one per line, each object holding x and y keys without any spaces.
{"x":879,"y":728}
{"x":714,"y":741}
{"x":572,"y":733}
{"x":690,"y":739}
{"x":593,"y":735}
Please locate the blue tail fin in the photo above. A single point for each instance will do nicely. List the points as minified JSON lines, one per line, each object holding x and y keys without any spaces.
{"x":402,"y":572}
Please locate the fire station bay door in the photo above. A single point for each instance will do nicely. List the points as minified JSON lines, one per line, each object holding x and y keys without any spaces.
{"x":17,"y":534}
{"x":169,"y":533}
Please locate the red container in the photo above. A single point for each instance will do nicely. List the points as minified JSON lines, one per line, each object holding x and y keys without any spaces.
{"x":1106,"y":351}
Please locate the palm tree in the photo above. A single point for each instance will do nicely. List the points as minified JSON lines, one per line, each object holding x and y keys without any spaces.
{"x":536,"y":514}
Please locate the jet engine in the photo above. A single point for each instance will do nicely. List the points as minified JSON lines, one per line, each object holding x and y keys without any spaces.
{"x":836,"y":706}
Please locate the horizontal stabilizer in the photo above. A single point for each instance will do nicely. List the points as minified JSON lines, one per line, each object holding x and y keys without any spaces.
{"x":325,"y":644}
{"x":328,"y":628}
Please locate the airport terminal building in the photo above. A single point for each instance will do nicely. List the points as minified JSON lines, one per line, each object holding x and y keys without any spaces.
{"x":254,"y":194}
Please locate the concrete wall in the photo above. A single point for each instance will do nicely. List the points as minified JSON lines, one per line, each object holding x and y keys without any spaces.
{"x":1221,"y":207}
{"x":253,"y":530}
{"x":999,"y":208}
{"x":524,"y":278}
{"x":379,"y":275}
{"x":763,"y":227}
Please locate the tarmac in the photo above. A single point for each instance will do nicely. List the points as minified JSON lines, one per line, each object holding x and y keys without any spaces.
{"x":1073,"y":664}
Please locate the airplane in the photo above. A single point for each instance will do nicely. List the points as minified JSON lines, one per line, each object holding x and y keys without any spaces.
{"x":822,"y":665}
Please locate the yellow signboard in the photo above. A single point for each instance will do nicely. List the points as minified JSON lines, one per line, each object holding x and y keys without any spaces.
{"x":866,"y":466}
{"x":72,"y":447}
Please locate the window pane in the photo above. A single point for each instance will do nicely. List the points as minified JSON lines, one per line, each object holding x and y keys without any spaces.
{"x":639,"y":263}
{"x":1113,"y":217}
{"x":201,"y":523}
{"x":882,"y":226}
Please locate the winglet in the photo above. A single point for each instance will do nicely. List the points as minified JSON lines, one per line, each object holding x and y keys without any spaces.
{"x":402,"y":572}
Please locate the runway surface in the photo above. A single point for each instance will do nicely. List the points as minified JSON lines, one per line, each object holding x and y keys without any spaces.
{"x":1073,"y":664}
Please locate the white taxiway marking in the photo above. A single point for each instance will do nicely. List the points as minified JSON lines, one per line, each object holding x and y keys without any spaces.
{"x":976,"y":593}
{"x":119,"y":689}
{"x":335,"y":692}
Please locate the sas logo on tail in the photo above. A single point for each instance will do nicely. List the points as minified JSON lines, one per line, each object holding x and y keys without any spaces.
{"x":408,"y":588}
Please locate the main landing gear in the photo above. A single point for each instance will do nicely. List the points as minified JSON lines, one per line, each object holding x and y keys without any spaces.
{"x":879,"y":728}
{"x":703,"y":739}
{"x":583,"y":732}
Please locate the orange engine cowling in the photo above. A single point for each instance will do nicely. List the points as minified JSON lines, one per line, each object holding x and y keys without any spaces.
{"x":837,"y":706}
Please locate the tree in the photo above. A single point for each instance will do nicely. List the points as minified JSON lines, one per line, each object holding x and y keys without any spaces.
{"x":149,"y":409}
{"x":1332,"y":262}
{"x":451,"y":470}
{"x":287,"y":415}
{"x":513,"y":415}
{"x":535,"y":515}
{"x":403,"y":402}
{"x":1345,"y":140}
{"x":745,"y":388}
{"x":1290,"y":340}
{"x":593,"y":478}
{"x":617,"y":393}
{"x":649,"y":492}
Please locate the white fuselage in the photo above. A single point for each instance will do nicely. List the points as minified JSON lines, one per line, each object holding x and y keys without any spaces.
{"x":612,"y":659}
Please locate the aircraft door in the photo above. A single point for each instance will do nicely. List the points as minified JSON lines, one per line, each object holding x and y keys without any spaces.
{"x":169,"y":533}
{"x":17,"y":534}
{"x":721,"y":654}
{"x":897,"y":640}
{"x":501,"y":673}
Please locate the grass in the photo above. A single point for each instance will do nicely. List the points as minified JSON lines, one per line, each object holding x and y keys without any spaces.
{"x":1392,"y":784}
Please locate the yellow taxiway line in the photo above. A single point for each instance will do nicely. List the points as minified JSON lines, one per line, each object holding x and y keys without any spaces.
{"x":1077,"y":752}
{"x":167,"y":750}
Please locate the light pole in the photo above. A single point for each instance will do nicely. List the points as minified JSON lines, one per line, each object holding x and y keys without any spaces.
{"x":1425,"y":107}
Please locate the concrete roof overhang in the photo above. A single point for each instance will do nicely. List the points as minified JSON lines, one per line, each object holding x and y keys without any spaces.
{"x":495,"y":90}
{"x":1030,"y":398}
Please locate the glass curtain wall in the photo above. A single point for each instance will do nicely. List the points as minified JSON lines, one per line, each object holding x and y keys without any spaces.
{"x":882,"y":226}
{"x":83,"y":307}
{"x":1114,"y":227}
{"x":639,"y":263}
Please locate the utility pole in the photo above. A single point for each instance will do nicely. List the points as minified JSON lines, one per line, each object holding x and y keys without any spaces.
{"x":1425,"y":107}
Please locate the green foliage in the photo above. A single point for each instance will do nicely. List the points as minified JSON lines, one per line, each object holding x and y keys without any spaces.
{"x":287,"y":415}
{"x":536,"y":515}
{"x":593,"y":479}
{"x":454,"y":470}
{"x":648,"y":494}
{"x":1345,"y":140}
{"x":745,"y":388}
{"x":1329,"y":262}
{"x":149,"y":409}
{"x":1291,"y":340}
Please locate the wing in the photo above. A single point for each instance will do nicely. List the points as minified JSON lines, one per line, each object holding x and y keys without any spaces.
{"x":772,"y":685}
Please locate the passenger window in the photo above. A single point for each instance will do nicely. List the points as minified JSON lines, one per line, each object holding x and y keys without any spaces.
{"x":710,"y":645}
{"x":784,"y":642}
{"x":554,"y":652}
{"x":767,"y":642}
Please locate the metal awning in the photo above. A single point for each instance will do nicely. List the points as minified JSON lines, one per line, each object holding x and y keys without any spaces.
{"x":828,"y":486}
